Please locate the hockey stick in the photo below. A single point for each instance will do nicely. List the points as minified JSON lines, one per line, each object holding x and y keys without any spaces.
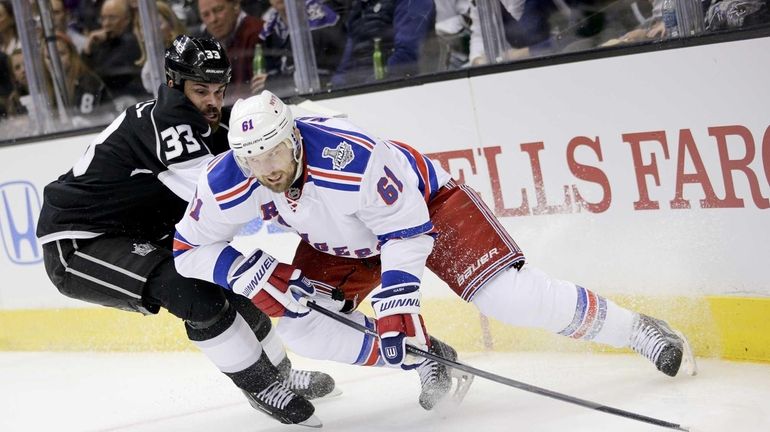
{"x":503,"y":380}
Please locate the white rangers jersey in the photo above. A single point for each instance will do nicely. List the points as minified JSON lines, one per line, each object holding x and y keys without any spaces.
{"x":361,"y":196}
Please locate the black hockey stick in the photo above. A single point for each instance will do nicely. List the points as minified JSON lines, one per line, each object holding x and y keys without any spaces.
{"x":503,"y":380}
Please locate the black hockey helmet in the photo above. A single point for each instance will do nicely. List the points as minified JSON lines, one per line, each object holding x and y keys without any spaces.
{"x":197,"y":59}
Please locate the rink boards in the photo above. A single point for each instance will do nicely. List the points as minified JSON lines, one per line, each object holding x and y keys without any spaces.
{"x":643,"y":177}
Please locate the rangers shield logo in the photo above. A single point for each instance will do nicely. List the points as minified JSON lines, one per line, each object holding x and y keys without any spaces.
{"x":340,"y":156}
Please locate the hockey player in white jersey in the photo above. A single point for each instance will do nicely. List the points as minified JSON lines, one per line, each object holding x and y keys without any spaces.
{"x":372,"y":214}
{"x":106,"y":228}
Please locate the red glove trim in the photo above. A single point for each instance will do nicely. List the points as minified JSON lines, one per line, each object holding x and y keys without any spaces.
{"x":268,"y":304}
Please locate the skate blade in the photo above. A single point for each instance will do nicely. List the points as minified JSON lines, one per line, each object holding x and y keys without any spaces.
{"x":461,"y":383}
{"x":688,"y":358}
{"x":312,"y":422}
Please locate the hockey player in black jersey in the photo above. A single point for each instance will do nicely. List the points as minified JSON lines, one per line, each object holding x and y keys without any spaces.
{"x":106,"y":228}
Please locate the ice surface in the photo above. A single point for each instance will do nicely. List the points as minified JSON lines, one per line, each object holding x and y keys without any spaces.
{"x":154,"y":392}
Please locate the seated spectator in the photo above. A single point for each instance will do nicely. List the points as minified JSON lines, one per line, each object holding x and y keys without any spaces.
{"x":9,"y":39}
{"x":607,"y":23}
{"x":86,"y":93}
{"x":238,"y":33}
{"x":328,"y":44}
{"x":62,"y":23}
{"x":112,"y":52}
{"x":526,"y":24}
{"x":170,"y":28}
{"x":86,"y":14}
{"x":400,"y":25}
{"x":19,"y":103}
{"x":453,"y":27}
{"x":19,"y":97}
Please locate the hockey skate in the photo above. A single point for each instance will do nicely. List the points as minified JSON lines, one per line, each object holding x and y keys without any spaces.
{"x":437,"y":379}
{"x":666,"y":348}
{"x":311,"y":384}
{"x":277,"y":401}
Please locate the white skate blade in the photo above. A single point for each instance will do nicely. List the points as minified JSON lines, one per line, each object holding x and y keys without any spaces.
{"x":312,"y":421}
{"x":688,"y":359}
{"x":461,"y":383}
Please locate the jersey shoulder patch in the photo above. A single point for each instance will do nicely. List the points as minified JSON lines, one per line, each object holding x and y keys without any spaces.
{"x":336,"y":151}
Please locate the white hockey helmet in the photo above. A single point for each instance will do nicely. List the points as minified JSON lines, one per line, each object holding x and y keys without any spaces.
{"x":260,"y":123}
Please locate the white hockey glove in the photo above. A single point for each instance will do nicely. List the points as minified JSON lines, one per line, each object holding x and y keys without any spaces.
{"x":277,"y":289}
{"x":399,"y":323}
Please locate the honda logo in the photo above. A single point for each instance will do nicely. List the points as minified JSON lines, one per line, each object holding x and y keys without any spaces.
{"x":19,"y":208}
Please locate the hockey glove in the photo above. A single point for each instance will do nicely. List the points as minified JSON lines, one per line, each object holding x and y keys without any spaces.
{"x":399,"y":323}
{"x":275,"y":288}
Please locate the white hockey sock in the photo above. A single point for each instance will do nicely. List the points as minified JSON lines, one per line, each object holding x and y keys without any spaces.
{"x":320,"y":337}
{"x":273,"y":347}
{"x":233,"y":350}
{"x":530,"y":298}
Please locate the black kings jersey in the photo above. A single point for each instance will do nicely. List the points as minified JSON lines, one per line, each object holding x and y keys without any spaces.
{"x":136,"y":177}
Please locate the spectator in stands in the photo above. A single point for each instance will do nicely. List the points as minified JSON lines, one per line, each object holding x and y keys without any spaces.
{"x":86,"y":93}
{"x":170,"y":28}
{"x":112,"y":52}
{"x":61,"y":23}
{"x":255,"y":8}
{"x":614,"y":22}
{"x":238,"y":33}
{"x":6,"y":83}
{"x":734,"y":14}
{"x":453,"y":27}
{"x":328,"y":44}
{"x":9,"y":39}
{"x":19,"y":102}
{"x":86,"y":15}
{"x":400,"y":25}
{"x":17,"y":98}
{"x":526,"y":24}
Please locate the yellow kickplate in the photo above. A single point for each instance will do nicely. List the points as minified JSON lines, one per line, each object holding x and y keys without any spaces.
{"x":744,"y":326}
{"x":717,"y":326}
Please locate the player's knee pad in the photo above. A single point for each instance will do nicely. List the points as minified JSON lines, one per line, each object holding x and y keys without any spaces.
{"x":258,"y":321}
{"x":213,"y":326}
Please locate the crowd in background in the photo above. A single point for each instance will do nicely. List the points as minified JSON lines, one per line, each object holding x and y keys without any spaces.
{"x":105,"y":61}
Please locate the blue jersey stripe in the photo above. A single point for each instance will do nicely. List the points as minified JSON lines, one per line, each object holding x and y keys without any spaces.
{"x":225,"y":260}
{"x":432,"y":176}
{"x":336,"y":186}
{"x":368,"y":343}
{"x":243,"y":197}
{"x":397,"y":277}
{"x":406,"y":233}
{"x":332,"y":130}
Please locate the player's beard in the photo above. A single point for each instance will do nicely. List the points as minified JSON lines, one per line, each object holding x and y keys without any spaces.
{"x":279,"y":181}
{"x":213,"y":115}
